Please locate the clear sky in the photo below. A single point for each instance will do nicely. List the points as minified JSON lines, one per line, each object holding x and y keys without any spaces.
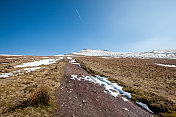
{"x":50,"y":27}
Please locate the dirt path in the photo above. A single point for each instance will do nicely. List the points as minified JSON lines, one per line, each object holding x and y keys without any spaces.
{"x":79,"y":98}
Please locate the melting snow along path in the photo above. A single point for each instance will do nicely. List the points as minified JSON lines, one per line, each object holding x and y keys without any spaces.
{"x":111,"y":88}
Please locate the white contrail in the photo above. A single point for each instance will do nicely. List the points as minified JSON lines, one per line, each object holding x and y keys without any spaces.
{"x":78,"y":14}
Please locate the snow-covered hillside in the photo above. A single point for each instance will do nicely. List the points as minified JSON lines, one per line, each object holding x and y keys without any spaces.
{"x":170,"y":54}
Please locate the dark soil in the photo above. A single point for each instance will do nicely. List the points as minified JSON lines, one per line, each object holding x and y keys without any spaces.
{"x":84,"y":99}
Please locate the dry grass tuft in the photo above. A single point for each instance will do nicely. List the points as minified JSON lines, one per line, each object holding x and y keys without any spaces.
{"x":40,"y":96}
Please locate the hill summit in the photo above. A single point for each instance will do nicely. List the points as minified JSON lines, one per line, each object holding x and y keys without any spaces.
{"x":169,"y":53}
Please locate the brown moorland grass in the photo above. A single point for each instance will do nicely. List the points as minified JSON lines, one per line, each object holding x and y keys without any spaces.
{"x":7,"y":63}
{"x":40,"y":96}
{"x":147,"y":82}
{"x":31,"y":94}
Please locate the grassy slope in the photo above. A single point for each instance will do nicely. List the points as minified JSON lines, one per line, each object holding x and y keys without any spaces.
{"x":14,"y":90}
{"x":13,"y":61}
{"x":148,"y":83}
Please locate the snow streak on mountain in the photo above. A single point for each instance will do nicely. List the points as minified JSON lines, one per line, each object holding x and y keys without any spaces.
{"x":169,"y":54}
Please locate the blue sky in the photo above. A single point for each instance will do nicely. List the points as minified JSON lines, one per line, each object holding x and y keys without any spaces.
{"x":50,"y":27}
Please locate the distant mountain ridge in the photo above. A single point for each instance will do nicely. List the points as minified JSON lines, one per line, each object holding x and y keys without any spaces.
{"x":169,"y":53}
{"x":161,"y":54}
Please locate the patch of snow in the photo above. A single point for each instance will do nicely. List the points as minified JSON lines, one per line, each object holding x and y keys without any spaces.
{"x":38,"y":63}
{"x":3,"y":75}
{"x":125,"y":109}
{"x":45,"y":57}
{"x":76,"y":64}
{"x":111,"y":88}
{"x":69,"y":57}
{"x":166,"y":65}
{"x":124,"y":99}
{"x":18,"y":71}
{"x":11,"y":58}
{"x":73,"y":61}
{"x":73,"y":77}
{"x":4,"y":63}
{"x":60,"y":55}
{"x":107,"y":57}
{"x":30,"y":64}
{"x":144,"y":106}
{"x":168,"y":51}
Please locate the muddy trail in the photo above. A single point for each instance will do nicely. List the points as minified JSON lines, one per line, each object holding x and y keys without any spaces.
{"x":80,"y":98}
